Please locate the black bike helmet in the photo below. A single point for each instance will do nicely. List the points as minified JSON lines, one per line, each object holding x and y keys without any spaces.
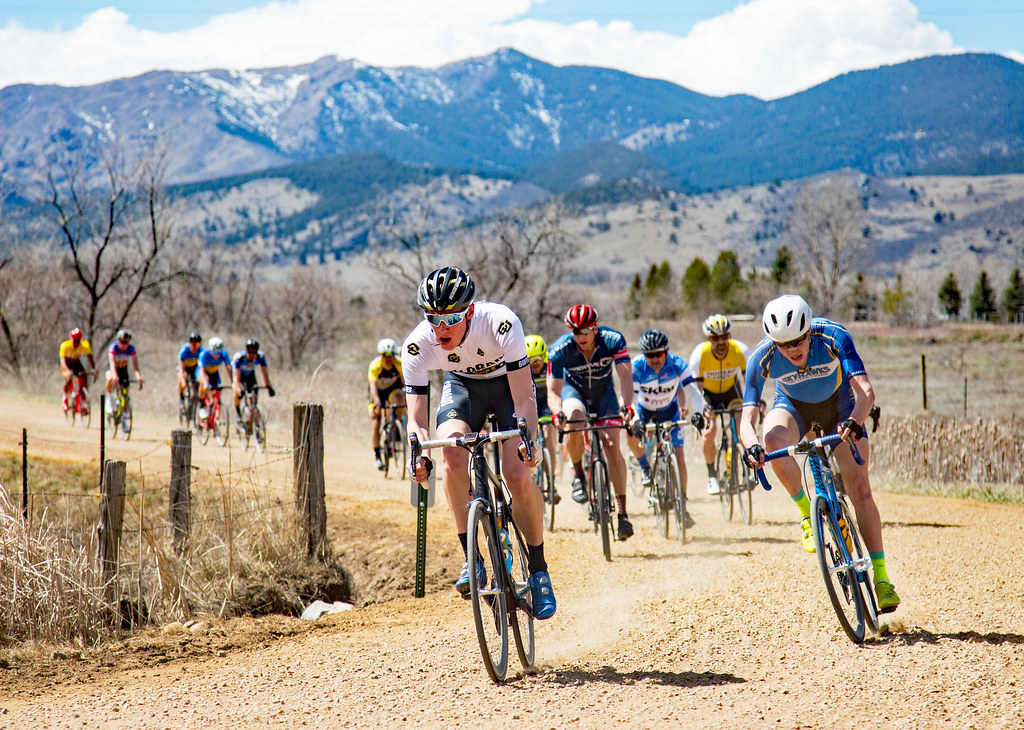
{"x":653,"y":341}
{"x":445,"y":290}
{"x":251,"y":344}
{"x":194,"y":337}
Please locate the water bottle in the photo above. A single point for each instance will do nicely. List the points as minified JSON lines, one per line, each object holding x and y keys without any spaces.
{"x":506,"y":548}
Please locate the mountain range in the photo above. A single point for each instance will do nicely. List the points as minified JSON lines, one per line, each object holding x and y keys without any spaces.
{"x":563,"y":128}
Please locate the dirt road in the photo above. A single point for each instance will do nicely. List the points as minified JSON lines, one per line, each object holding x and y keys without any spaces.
{"x":732,"y":630}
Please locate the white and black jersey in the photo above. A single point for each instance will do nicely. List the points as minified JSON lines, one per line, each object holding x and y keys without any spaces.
{"x":493,"y":346}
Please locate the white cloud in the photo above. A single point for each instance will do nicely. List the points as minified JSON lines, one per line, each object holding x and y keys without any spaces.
{"x":768,"y":48}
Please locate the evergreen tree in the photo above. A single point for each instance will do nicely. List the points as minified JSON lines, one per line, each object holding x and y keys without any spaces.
{"x":726,"y":277}
{"x":1013,"y":297}
{"x":782,"y":268}
{"x":949,"y":296}
{"x":635,"y":300}
{"x":983,"y":299}
{"x":696,"y":283}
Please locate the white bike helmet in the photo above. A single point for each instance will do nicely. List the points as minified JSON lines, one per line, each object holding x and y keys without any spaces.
{"x":387,"y":346}
{"x":216,"y":344}
{"x":786,"y":318}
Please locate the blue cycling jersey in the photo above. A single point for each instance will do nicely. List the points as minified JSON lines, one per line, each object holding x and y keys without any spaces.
{"x":211,"y":361}
{"x":590,"y":377}
{"x":831,"y":362}
{"x":656,"y":390}
{"x":189,"y":358}
{"x":246,"y":366}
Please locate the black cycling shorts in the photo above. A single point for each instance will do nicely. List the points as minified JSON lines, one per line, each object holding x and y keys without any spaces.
{"x":471,"y":400}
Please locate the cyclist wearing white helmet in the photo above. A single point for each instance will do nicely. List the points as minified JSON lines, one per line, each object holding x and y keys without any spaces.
{"x":210,"y":361}
{"x":720,"y":362}
{"x":819,"y":379}
{"x":121,"y":353}
{"x":384,"y":382}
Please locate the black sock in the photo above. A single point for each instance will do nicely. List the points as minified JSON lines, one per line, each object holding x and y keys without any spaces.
{"x":620,"y":504}
{"x":376,"y":451}
{"x":464,"y":539}
{"x":536,"y":558}
{"x":712,"y":471}
{"x":577,"y":468}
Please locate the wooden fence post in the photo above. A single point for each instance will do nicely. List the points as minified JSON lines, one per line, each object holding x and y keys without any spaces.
{"x":924,"y":385}
{"x":308,"y":451}
{"x":111,"y":520}
{"x":180,"y":497}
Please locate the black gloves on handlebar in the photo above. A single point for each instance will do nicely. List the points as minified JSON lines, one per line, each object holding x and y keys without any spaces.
{"x":855,"y":428}
{"x":639,"y":429}
{"x":627,"y":413}
{"x":697,"y":419}
{"x":753,"y":454}
{"x":270,"y":389}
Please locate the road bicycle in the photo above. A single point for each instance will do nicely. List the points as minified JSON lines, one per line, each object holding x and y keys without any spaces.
{"x":843,"y":560}
{"x":544,"y":476}
{"x":187,"y":414}
{"x":501,"y":595}
{"x":78,"y":402}
{"x":599,"y":490}
{"x":394,"y":445}
{"x":253,"y":425}
{"x":212,"y":417}
{"x":119,"y":416}
{"x":666,"y":493}
{"x":736,"y":478}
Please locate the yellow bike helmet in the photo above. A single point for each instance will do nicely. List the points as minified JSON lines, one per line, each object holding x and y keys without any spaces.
{"x":536,"y":347}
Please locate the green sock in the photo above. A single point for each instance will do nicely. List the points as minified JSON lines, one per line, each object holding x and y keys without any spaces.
{"x":803,"y":503}
{"x":878,"y":566}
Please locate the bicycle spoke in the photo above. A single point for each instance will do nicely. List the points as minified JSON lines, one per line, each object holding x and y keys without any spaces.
{"x":490,"y":613}
{"x":521,"y":613}
{"x":840,"y":577}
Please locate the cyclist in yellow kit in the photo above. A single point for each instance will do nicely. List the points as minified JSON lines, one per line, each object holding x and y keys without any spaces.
{"x":71,"y":353}
{"x":537,"y":351}
{"x":721,"y":363}
{"x":384,"y":379}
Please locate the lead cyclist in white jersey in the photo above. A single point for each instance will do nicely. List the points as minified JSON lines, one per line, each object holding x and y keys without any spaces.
{"x":482,"y":350}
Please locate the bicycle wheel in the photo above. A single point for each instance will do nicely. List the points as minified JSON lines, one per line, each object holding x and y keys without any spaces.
{"x":676,"y":498}
{"x":636,"y":475}
{"x":259,"y":429}
{"x":840,"y":576}
{"x":547,"y":488}
{"x":744,"y":488}
{"x":385,"y":444}
{"x":659,"y":495}
{"x":221,"y":423}
{"x":599,"y":486}
{"x":521,"y":612}
{"x":723,"y":464}
{"x":490,"y":612}
{"x":202,"y":427}
{"x":401,"y":449}
{"x":861,"y":557}
{"x":126,"y":416}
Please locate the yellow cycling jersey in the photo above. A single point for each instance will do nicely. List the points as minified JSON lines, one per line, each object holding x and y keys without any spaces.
{"x":720,"y":375}
{"x":69,"y":352}
{"x":385,"y":377}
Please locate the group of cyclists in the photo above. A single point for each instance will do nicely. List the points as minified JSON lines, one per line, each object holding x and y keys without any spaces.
{"x":196,"y":364}
{"x":492,"y":367}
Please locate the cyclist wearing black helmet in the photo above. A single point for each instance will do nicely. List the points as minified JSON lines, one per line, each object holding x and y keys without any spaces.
{"x":188,"y":359}
{"x":658,"y":376}
{"x":121,"y":353}
{"x":243,"y":367}
{"x":481,"y":348}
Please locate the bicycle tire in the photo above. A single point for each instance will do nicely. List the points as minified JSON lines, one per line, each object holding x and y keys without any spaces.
{"x":126,"y":417}
{"x":384,"y":439}
{"x":599,"y":485}
{"x":401,"y":449}
{"x":676,"y":497}
{"x":859,"y":553}
{"x":521,"y":611}
{"x":840,"y":576}
{"x":744,"y":489}
{"x":259,"y":429}
{"x":659,"y":496}
{"x":221,"y":423}
{"x":547,"y":478}
{"x":636,"y":476}
{"x":202,"y":428}
{"x":723,"y":465}
{"x":490,"y":612}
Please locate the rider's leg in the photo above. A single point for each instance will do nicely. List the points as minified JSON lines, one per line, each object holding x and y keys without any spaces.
{"x":527,"y":502}
{"x":781,"y":430}
{"x":681,"y":461}
{"x":709,"y":445}
{"x":855,"y":479}
{"x":616,"y":465}
{"x":457,"y":483}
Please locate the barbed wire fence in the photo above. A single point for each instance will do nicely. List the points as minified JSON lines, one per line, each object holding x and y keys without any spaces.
{"x":142,"y":547}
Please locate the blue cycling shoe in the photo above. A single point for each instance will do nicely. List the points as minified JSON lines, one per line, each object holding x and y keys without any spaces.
{"x":462,"y":584}
{"x":542,"y":595}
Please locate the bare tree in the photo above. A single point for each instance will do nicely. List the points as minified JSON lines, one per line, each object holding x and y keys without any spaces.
{"x":827,"y":226}
{"x":118,"y":234}
{"x":305,"y":314}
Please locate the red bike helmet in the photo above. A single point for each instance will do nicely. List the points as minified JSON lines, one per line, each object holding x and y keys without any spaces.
{"x":76,"y":334}
{"x":580,"y":317}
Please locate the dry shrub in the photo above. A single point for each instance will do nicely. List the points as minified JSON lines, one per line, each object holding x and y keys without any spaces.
{"x":952,"y":455}
{"x":50,"y":590}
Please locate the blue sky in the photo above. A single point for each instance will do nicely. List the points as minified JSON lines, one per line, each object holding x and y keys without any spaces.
{"x":768,"y":48}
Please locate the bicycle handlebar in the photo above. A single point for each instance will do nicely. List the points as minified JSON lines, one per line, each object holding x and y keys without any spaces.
{"x":804,"y":446}
{"x":592,"y":418}
{"x":470,"y":441}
